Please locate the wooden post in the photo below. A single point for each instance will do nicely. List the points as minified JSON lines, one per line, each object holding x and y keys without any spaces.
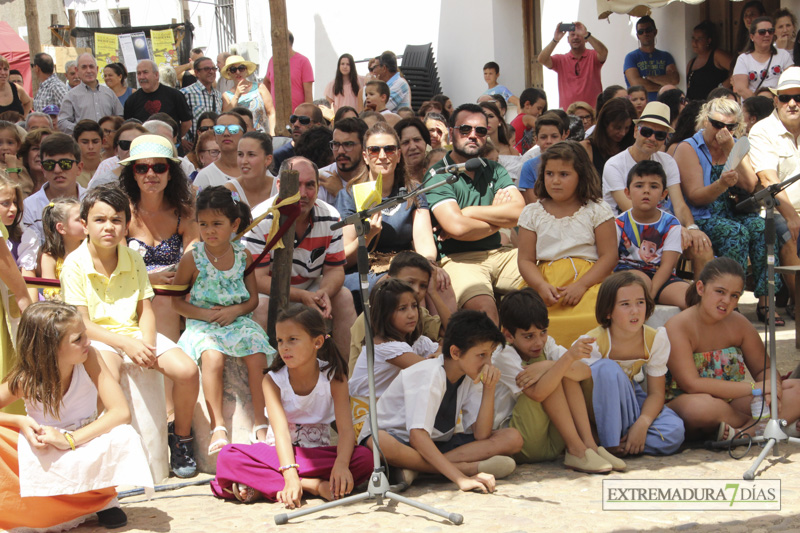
{"x":282,"y":261}
{"x":34,"y":38}
{"x":71,"y":14}
{"x":280,"y":65}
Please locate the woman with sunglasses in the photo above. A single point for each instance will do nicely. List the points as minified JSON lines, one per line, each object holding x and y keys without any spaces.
{"x":255,"y":97}
{"x":404,"y":227}
{"x":228,"y":131}
{"x":343,"y":90}
{"x":162,"y":223}
{"x":110,"y":169}
{"x":705,"y":187}
{"x":761,"y":64}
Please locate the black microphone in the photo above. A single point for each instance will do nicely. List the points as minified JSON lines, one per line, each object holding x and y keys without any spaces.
{"x":470,"y":165}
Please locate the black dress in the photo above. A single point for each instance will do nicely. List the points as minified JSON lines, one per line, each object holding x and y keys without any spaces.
{"x":16,"y":103}
{"x":702,"y":81}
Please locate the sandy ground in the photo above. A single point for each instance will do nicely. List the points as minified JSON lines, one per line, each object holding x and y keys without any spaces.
{"x":541,"y":497}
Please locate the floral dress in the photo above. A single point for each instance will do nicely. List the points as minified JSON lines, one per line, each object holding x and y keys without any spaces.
{"x":213,"y":287}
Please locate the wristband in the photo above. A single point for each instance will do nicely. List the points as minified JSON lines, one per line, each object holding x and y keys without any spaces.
{"x":284,"y":468}
{"x":555,"y":41}
{"x":692,"y":226}
{"x":753,"y":385}
{"x":70,"y":439}
{"x":588,"y":35}
{"x":14,"y":170}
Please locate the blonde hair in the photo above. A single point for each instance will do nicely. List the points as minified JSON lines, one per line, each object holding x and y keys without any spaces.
{"x":723,"y":106}
{"x":15,"y":229}
{"x":54,"y":213}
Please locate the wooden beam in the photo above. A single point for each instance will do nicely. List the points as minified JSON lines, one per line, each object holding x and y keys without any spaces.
{"x":282,"y":261}
{"x":532,"y":35}
{"x":34,"y":38}
{"x":280,"y":65}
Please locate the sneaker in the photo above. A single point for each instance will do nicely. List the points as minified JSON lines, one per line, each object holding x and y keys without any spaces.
{"x":590,"y":463}
{"x":112,"y":518}
{"x":181,"y":455}
{"x":499,"y":466}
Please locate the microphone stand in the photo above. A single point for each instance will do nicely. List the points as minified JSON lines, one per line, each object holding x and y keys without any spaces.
{"x":378,"y":485}
{"x":773,"y":432}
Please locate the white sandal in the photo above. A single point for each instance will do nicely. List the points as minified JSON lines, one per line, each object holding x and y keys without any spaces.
{"x":254,"y":434}
{"x":221,"y":443}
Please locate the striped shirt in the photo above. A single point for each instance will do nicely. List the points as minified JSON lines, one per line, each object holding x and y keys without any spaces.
{"x":320,"y":245}
{"x":200,"y":100}
{"x":400,"y":93}
{"x":51,"y":92}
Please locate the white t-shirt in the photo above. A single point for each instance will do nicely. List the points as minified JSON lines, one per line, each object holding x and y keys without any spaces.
{"x":323,"y":193}
{"x":211,"y":176}
{"x":413,"y":400}
{"x":615,"y":174}
{"x":747,"y":65}
{"x":509,"y":363}
{"x":384,"y":370}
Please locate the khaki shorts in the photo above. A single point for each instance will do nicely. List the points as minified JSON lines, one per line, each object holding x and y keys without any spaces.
{"x":482,"y":273}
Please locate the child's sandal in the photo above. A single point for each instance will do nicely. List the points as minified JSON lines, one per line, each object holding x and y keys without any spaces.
{"x":215,"y":447}
{"x":254,"y":434}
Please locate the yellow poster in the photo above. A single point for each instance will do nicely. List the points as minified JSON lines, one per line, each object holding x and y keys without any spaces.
{"x":106,"y":50}
{"x":164,"y":52}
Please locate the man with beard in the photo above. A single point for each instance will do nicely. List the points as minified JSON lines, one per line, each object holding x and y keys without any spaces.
{"x":469,"y":213}
{"x":305,"y":117}
{"x":579,"y":70}
{"x":347,"y":146}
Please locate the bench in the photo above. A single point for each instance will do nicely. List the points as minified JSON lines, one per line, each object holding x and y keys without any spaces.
{"x":788,"y":271}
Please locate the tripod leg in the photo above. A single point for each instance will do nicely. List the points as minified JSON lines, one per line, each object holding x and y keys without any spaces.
{"x":751,"y":472}
{"x":283,"y":518}
{"x":455,"y":518}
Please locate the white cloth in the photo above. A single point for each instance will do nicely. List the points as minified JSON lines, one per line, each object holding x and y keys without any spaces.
{"x":572,"y":236}
{"x":413,"y":400}
{"x":211,"y":176}
{"x":509,"y":363}
{"x":28,"y":250}
{"x":748,"y":66}
{"x":309,"y":416}
{"x":323,"y":193}
{"x":656,"y":359}
{"x":513,"y":165}
{"x":115,"y":458}
{"x":243,"y":196}
{"x":106,"y":165}
{"x":773,"y":147}
{"x":35,"y":204}
{"x":615,"y":173}
{"x":384,"y":370}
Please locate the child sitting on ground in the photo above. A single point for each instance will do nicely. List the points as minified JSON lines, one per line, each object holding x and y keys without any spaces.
{"x":545,"y":401}
{"x":220,"y":307}
{"x":630,"y":421}
{"x":108,"y":283}
{"x":305,"y":390}
{"x":63,"y":233}
{"x":649,"y":238}
{"x":420,"y":436}
{"x":60,"y":463}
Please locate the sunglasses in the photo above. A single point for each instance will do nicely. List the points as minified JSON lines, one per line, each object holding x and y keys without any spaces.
{"x":466,"y":129}
{"x":65,"y":164}
{"x":765,"y":31}
{"x":347,"y":146}
{"x":650,"y":132}
{"x":234,"y":69}
{"x":645,"y":30}
{"x":304,"y":120}
{"x":719,"y":125}
{"x":784,"y":98}
{"x":143,"y":168}
{"x":214,"y":69}
{"x":203,"y":129}
{"x":233,"y":129}
{"x":389,"y":150}
{"x":124,"y":145}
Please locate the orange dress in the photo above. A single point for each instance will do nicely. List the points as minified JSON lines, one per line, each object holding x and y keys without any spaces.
{"x":40,"y":512}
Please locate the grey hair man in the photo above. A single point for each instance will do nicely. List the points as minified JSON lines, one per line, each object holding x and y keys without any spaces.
{"x":155,"y":97}
{"x":89,"y":99}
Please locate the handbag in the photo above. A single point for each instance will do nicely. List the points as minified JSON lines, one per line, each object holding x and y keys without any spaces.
{"x":736,"y":195}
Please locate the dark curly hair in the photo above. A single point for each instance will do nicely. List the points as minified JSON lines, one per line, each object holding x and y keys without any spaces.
{"x":178,"y":192}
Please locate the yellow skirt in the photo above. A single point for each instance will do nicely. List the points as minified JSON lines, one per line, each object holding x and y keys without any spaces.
{"x":9,"y":318}
{"x":567,"y":322}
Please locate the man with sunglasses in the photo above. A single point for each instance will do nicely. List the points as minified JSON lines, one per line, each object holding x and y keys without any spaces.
{"x":647,"y":65}
{"x":775,"y":157}
{"x":61,"y":161}
{"x":305,"y":117}
{"x":469,"y":214}
{"x":155,"y":97}
{"x":201,"y":96}
{"x":650,"y":134}
{"x":579,"y":70}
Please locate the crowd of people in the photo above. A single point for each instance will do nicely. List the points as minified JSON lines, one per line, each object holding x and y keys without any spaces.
{"x":508,"y":307}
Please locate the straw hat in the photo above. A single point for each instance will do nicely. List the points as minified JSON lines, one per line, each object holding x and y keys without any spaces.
{"x":237,"y":60}
{"x":656,"y":113}
{"x":150,"y":147}
{"x":790,"y":79}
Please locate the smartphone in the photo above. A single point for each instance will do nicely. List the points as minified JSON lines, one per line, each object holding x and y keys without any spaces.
{"x":566,"y":26}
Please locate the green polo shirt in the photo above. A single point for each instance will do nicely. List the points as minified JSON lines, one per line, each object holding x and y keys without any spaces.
{"x":468,"y":192}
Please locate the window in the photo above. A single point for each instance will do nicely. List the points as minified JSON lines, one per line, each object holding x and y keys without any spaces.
{"x":92,"y":19}
{"x":226,"y":24}
{"x":125,"y":18}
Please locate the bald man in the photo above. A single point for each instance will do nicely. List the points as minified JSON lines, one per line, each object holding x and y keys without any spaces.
{"x":155,"y":97}
{"x":88,"y":100}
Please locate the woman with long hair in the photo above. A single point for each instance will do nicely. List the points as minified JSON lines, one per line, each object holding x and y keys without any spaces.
{"x":414,"y":141}
{"x":613,"y":132}
{"x":115,"y":76}
{"x":343,"y":90}
{"x":761,"y":64}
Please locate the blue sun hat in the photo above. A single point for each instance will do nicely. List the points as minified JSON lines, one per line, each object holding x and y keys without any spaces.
{"x":151,"y":146}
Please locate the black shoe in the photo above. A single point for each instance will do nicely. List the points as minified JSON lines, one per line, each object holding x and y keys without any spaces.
{"x":112,"y":518}
{"x":181,"y":455}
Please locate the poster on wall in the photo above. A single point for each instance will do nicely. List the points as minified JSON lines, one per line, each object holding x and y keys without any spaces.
{"x":164,"y":52}
{"x":133,"y":47}
{"x":106,"y":50}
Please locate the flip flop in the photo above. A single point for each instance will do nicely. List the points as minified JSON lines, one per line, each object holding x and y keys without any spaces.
{"x":721,"y":431}
{"x":254,"y":434}
{"x":250,"y":496}
{"x":215,"y":447}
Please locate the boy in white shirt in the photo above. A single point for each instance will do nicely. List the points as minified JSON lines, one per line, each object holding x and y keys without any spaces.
{"x":419,"y":412}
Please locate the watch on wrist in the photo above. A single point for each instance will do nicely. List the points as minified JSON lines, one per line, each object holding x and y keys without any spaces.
{"x":692,"y":226}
